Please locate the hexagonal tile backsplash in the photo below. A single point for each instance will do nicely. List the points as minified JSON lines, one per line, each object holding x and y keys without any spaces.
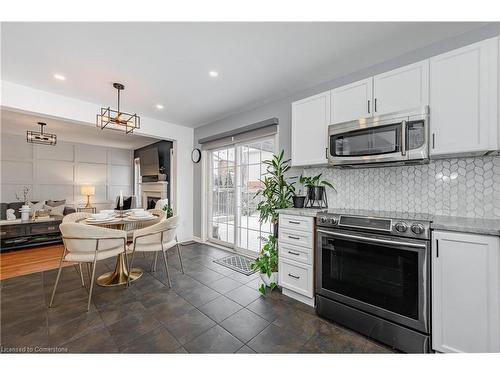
{"x":457,"y":187}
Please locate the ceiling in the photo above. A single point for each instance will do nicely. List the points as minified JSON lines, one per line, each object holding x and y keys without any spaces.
{"x":168,"y":63}
{"x":17,"y":123}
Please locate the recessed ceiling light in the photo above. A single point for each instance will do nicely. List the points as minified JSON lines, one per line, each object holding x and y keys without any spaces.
{"x":59,"y":77}
{"x":159,"y":106}
{"x":213,"y":73}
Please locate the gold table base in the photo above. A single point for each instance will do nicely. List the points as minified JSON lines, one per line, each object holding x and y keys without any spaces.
{"x":120,"y":274}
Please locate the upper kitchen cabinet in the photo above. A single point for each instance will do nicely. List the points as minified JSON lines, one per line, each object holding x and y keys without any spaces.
{"x":401,"y":89}
{"x":464,"y":100}
{"x":352,"y":101}
{"x":465,"y":292}
{"x":310,"y":119}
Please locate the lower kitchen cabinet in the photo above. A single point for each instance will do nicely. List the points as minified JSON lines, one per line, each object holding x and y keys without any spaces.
{"x":465,"y":292}
{"x":296,"y":257}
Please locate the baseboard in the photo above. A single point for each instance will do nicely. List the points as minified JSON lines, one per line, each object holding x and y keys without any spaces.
{"x":298,"y":297}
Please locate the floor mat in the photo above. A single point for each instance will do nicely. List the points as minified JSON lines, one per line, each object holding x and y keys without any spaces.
{"x":238,"y":263}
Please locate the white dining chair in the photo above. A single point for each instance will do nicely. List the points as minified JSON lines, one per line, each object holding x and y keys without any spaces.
{"x":89,"y":244}
{"x":157,"y":238}
{"x":75,"y":217}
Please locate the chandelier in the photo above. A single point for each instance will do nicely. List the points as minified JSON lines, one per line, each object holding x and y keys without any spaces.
{"x":41,"y":137}
{"x":116,"y":119}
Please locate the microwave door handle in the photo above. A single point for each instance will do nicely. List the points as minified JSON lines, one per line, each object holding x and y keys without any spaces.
{"x":403,"y":138}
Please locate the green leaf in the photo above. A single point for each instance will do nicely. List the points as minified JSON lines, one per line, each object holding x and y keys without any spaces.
{"x":262,"y":289}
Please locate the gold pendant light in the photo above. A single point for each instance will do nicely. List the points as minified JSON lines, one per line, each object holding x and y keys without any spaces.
{"x":116,"y":119}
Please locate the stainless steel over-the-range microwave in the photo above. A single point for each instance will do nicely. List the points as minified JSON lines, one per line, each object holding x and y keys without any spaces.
{"x":400,"y":137}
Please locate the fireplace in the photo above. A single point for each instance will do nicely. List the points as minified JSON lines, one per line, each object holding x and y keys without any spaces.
{"x":151,"y":192}
{"x":151,"y":202}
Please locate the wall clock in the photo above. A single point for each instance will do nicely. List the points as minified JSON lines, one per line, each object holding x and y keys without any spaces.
{"x":196,"y":155}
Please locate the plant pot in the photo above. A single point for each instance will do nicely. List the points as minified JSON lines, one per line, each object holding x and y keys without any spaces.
{"x":298,"y":201}
{"x":268,"y":280}
{"x":315,"y":193}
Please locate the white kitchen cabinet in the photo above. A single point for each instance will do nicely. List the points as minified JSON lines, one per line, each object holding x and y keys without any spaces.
{"x":310,"y":119}
{"x":465,"y":292}
{"x":352,"y":101}
{"x":464,"y":100}
{"x":296,"y":257}
{"x":401,"y":89}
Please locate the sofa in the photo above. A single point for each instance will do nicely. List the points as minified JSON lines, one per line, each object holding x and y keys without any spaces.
{"x":17,"y":205}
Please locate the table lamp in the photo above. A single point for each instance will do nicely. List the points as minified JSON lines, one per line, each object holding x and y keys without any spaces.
{"x":87,"y":190}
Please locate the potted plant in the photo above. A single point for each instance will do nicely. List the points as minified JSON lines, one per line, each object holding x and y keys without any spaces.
{"x":315,"y":187}
{"x":168,"y":210}
{"x":299,"y":200}
{"x":267,"y":265}
{"x":276,"y":191}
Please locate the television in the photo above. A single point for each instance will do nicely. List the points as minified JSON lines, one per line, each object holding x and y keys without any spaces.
{"x":150,"y":162}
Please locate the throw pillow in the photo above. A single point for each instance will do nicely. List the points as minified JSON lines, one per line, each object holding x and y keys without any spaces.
{"x":55,"y":211}
{"x":36,"y":206}
{"x":52,"y":203}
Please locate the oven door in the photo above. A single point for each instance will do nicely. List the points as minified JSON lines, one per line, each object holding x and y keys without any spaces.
{"x":381,"y":275}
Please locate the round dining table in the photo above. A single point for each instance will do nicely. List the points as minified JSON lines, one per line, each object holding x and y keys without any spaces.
{"x":122,"y":222}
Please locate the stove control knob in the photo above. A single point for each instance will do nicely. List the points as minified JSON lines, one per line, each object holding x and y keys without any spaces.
{"x":333,"y":220}
{"x":401,"y":226}
{"x":322,"y":220}
{"x":417,"y":228}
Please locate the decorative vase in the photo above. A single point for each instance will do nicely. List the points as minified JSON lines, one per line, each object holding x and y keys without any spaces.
{"x":268,"y":280}
{"x":298,"y":201}
{"x":25,"y":212}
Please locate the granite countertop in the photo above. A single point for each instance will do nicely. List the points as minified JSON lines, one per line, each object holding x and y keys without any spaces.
{"x":309,"y":212}
{"x":451,"y":223}
{"x":467,"y":225}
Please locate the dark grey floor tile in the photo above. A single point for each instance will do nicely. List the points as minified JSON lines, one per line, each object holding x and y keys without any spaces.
{"x":97,"y":341}
{"x":171,"y":309}
{"x":159,"y":340}
{"x":274,"y":339}
{"x":189,"y":325}
{"x":255,"y":283}
{"x":244,"y":325}
{"x":114,"y":312}
{"x":243,"y":295}
{"x":268,"y":308}
{"x":181,"y":350}
{"x":64,"y":311}
{"x":156,"y":297}
{"x":333,"y":339}
{"x":198,"y":296}
{"x":220,"y":308}
{"x":224,"y":285}
{"x":60,"y":333}
{"x":303,"y":324}
{"x":147,"y":284}
{"x":112,"y":295}
{"x":184,"y":282}
{"x":205,"y":276}
{"x":215,"y":340}
{"x":246,"y":350}
{"x":132,"y":327}
{"x":244,"y":279}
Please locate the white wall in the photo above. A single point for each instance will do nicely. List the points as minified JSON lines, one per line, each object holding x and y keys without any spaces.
{"x":27,"y":99}
{"x":58,"y":172}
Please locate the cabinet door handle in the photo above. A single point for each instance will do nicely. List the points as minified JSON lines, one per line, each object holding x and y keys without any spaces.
{"x":326,"y":153}
{"x":293,"y":253}
{"x":294,"y":238}
{"x":433,"y":140}
{"x":293,"y":222}
{"x":375,"y":105}
{"x":437,"y":248}
{"x":368,"y":105}
{"x":294,"y":276}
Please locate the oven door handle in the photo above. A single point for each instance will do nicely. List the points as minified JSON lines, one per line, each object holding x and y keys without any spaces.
{"x":374,"y":240}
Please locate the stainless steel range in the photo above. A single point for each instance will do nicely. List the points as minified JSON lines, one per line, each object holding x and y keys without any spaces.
{"x":373,"y":275}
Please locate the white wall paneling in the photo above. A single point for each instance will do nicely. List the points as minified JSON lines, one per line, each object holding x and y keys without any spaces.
{"x":59,"y":172}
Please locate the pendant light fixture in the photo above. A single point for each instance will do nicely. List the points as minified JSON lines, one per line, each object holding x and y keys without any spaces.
{"x":116,"y":119}
{"x":41,"y":137}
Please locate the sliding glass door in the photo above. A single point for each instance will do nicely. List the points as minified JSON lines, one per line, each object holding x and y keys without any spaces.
{"x":233,"y":180}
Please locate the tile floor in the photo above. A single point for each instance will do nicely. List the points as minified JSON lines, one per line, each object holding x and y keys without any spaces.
{"x":209,"y":309}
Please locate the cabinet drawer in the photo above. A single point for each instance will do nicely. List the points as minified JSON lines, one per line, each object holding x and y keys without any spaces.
{"x":297,"y":253}
{"x":13,"y":231}
{"x":296,"y":276}
{"x":297,"y":238}
{"x":296,"y":222}
{"x":44,"y":228}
